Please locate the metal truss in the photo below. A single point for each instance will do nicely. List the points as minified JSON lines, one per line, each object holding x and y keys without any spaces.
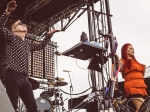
{"x":33,"y":7}
{"x":51,"y":21}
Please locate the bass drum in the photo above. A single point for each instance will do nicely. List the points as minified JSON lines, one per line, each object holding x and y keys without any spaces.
{"x":44,"y":105}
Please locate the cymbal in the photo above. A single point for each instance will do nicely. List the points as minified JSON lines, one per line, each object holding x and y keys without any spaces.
{"x":58,"y":83}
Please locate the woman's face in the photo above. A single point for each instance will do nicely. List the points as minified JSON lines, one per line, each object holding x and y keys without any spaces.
{"x":130,"y":51}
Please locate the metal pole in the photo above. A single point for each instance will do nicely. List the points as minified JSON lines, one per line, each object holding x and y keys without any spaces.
{"x":91,"y":25}
{"x":109,"y":26}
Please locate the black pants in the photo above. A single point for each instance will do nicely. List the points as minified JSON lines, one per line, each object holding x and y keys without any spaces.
{"x":17,"y":84}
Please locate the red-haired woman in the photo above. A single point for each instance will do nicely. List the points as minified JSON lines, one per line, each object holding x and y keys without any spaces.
{"x":132,"y":72}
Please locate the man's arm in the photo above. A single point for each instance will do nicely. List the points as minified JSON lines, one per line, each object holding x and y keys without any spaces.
{"x":36,"y":47}
{"x":41,"y":46}
{"x":3,"y":30}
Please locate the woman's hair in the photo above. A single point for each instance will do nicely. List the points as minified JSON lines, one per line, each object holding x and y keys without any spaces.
{"x":124,"y":55}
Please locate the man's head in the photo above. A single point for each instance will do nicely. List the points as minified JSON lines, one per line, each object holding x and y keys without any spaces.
{"x":17,"y":26}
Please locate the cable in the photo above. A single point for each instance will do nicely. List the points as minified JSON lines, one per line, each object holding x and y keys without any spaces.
{"x":81,"y":104}
{"x":119,"y":103}
{"x":124,"y":105}
{"x":79,"y":66}
{"x":75,"y":94}
{"x":89,"y":79}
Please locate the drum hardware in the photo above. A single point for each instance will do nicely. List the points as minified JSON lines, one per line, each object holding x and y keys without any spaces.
{"x":62,"y":103}
{"x":58,"y":101}
{"x":46,"y":104}
{"x":49,"y":92}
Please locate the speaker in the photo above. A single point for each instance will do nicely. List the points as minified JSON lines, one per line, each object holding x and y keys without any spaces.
{"x":5,"y":104}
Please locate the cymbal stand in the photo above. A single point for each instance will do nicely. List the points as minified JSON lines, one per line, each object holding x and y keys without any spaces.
{"x":56,"y":102}
{"x":62,"y":103}
{"x":57,"y":94}
{"x":71,"y":87}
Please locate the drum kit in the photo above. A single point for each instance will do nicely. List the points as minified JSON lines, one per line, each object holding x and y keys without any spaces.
{"x":51,"y":99}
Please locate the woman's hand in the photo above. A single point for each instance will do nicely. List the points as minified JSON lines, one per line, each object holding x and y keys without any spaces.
{"x":11,"y":6}
{"x":120,"y":63}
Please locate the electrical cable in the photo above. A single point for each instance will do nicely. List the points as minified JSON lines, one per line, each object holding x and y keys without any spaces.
{"x":124,"y":105}
{"x":81,"y":104}
{"x":89,"y":101}
{"x":76,"y":93}
{"x":89,"y":79}
{"x":79,"y":66}
{"x":119,"y":103}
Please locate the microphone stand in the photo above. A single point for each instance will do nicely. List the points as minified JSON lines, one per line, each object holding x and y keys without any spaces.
{"x":71,"y":87}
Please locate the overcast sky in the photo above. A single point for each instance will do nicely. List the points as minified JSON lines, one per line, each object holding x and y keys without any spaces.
{"x":130,"y":24}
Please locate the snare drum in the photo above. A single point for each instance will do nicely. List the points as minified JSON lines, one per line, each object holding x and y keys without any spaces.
{"x":44,"y":105}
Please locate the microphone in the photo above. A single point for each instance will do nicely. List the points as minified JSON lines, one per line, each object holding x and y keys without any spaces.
{"x":83,"y":37}
{"x":58,"y":53}
{"x":66,"y":71}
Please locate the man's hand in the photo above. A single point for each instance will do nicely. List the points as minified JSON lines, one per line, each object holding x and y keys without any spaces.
{"x":52,"y":32}
{"x":11,"y":6}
